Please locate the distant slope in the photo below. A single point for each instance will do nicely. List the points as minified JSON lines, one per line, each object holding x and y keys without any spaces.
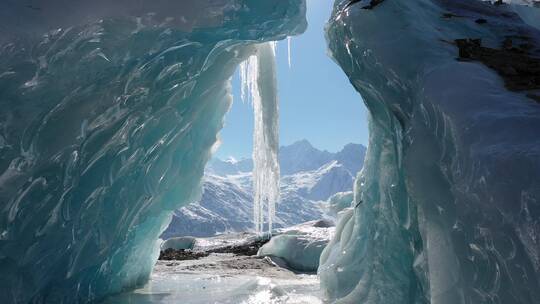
{"x":300,"y":156}
{"x":309,"y":176}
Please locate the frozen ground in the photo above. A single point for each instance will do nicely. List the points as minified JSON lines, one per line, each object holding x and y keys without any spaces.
{"x":228,"y":278}
{"x":223,"y":278}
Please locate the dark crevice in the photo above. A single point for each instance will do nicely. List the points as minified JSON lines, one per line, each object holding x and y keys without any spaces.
{"x":450,"y":15}
{"x":481,"y":21}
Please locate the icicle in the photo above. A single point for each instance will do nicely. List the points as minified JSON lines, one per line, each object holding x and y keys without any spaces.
{"x":243,"y":79}
{"x":273,"y":45}
{"x":258,"y":75}
{"x":289,"y":42}
{"x":248,"y":78}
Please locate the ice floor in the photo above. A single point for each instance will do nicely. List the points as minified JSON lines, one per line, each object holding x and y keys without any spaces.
{"x":223,"y":278}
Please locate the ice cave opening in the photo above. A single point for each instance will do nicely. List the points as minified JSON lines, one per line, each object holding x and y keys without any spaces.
{"x":111,"y":110}
{"x":241,"y":200}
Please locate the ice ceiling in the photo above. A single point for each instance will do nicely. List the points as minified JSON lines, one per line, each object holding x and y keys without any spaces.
{"x":110,"y":110}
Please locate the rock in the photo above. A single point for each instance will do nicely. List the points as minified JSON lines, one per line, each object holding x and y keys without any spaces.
{"x":181,"y":255}
{"x":248,"y":248}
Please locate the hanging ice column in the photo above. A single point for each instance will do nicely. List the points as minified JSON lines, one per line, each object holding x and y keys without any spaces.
{"x":289,"y":42}
{"x":258,"y":75}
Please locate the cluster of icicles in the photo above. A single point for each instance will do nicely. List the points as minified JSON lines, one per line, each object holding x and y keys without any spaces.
{"x":259,"y":85}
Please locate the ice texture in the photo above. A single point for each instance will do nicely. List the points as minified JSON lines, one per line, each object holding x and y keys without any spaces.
{"x":289,"y":54}
{"x":338,"y":202}
{"x":223,"y":279}
{"x":300,"y":246}
{"x":110,"y":110}
{"x":179,"y":243}
{"x":529,"y":15}
{"x":258,"y":75}
{"x":450,"y":199}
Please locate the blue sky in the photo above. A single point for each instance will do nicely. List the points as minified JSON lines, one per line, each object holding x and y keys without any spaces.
{"x":317,"y":102}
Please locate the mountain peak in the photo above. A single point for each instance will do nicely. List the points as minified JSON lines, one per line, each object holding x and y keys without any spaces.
{"x":231,"y":160}
{"x":353,"y":148}
{"x":303,"y":143}
{"x":352,"y":157}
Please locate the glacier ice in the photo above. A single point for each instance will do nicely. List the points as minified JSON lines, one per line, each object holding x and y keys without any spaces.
{"x":338,"y":202}
{"x":298,"y":252}
{"x":289,"y":55}
{"x":109,"y":113}
{"x":110,"y":110}
{"x":528,"y":10}
{"x":450,"y":200}
{"x":258,"y":77}
{"x":221,"y":278}
{"x":529,"y":15}
{"x":300,"y":246}
{"x":178,"y":243}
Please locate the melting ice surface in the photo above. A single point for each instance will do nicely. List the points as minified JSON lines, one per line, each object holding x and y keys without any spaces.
{"x":258,"y":75}
{"x":223,"y":279}
{"x":448,"y":203}
{"x":226,"y":278}
{"x":110,"y":110}
{"x":289,"y":55}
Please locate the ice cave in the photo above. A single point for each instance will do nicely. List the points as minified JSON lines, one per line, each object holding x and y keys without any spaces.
{"x":111,"y":109}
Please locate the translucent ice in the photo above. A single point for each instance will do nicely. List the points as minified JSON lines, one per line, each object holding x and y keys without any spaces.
{"x":266,"y":136}
{"x":339,"y":201}
{"x":179,"y":243}
{"x":259,"y":85}
{"x":300,"y":247}
{"x":449,"y":192}
{"x":109,"y":113}
{"x":289,"y":55}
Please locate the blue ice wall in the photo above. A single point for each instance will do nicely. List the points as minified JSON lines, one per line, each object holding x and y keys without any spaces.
{"x":448,"y":204}
{"x":109,"y":113}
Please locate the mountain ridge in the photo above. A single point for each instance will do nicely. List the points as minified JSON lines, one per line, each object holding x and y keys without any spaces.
{"x":309,"y":177}
{"x":294,"y":158}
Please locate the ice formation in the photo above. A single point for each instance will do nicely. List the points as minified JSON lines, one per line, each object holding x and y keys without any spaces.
{"x":289,"y":42}
{"x":299,"y":247}
{"x":530,"y":15}
{"x":109,"y":113}
{"x":110,"y":110}
{"x":258,"y":75}
{"x":447,"y":206}
{"x":266,"y":136}
{"x":338,"y":202}
{"x":179,"y":243}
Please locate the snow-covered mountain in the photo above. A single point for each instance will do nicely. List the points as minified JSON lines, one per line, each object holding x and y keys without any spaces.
{"x":300,"y":156}
{"x":309,"y":177}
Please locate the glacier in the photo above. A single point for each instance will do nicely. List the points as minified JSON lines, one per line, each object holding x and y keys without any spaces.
{"x":178,"y":243}
{"x":110,"y":110}
{"x":447,"y":207}
{"x":299,"y":247}
{"x":258,"y":76}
